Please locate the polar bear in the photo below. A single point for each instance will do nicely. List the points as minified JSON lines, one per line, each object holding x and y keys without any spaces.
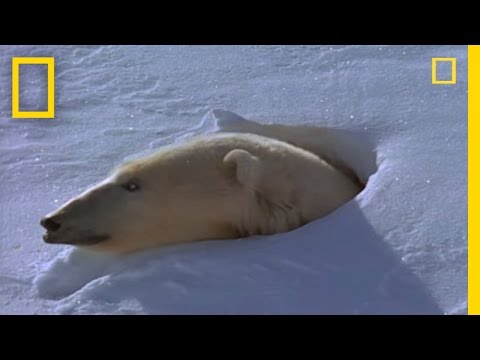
{"x":216,"y":186}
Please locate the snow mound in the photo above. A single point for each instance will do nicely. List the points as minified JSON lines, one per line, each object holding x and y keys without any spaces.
{"x":349,"y":274}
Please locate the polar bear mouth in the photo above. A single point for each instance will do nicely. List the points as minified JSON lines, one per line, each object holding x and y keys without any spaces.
{"x":85,"y":240}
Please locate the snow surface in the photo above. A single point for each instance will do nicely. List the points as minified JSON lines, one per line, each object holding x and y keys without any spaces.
{"x":398,"y":247}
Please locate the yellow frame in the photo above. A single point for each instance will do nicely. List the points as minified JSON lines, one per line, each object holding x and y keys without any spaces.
{"x":453,"y":79}
{"x":473,"y":179}
{"x":50,"y":112}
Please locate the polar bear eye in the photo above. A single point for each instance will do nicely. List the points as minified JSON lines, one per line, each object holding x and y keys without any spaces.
{"x":131,"y":186}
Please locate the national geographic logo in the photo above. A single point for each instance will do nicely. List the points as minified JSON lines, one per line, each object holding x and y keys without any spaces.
{"x":16,"y":112}
{"x":453,"y":74}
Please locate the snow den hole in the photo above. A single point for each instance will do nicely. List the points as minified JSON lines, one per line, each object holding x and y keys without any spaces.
{"x":350,"y":151}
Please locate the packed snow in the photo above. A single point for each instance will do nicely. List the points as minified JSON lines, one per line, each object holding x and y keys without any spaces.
{"x":399,"y":247}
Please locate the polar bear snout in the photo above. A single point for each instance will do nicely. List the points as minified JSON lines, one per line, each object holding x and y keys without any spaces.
{"x":75,"y":223}
{"x":50,"y":223}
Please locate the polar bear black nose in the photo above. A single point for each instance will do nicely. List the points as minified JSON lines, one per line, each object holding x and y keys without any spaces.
{"x":50,"y":224}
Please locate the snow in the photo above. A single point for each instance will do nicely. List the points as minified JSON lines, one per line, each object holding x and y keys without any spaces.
{"x":398,"y":248}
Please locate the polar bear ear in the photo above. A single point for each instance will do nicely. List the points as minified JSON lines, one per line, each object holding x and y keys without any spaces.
{"x":247,"y":167}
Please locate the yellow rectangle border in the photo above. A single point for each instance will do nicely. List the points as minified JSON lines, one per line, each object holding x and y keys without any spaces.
{"x":50,"y":112}
{"x":473,"y":179}
{"x":453,"y":77}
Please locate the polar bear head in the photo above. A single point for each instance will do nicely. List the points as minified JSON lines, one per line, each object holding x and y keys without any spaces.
{"x":183,"y":193}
